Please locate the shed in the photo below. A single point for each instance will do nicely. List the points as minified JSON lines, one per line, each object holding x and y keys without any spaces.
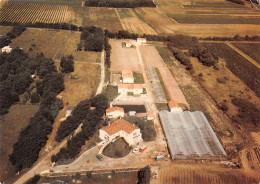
{"x":132,"y":113}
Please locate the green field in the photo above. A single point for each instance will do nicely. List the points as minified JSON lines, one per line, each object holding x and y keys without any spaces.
{"x":251,"y":49}
{"x":237,"y":64}
{"x":213,"y":19}
{"x":124,"y":13}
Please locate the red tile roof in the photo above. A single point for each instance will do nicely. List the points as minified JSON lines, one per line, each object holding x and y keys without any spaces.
{"x":119,"y":125}
{"x":173,"y":104}
{"x":112,"y":109}
{"x":127,"y":74}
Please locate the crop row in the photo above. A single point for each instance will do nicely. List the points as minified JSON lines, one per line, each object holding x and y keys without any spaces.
{"x":23,"y":13}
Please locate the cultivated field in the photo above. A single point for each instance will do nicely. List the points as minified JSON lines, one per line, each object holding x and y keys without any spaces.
{"x":70,"y":47}
{"x":132,"y":23}
{"x":10,"y":127}
{"x":123,"y":58}
{"x":151,"y":57}
{"x":251,"y":49}
{"x":241,"y":67}
{"x":46,"y":41}
{"x":100,"y":17}
{"x":25,"y":12}
{"x":199,"y":173}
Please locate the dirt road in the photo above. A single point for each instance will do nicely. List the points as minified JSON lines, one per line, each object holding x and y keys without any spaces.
{"x":102,"y":75}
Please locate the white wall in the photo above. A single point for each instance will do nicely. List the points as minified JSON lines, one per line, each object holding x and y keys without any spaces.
{"x":116,"y":114}
{"x":128,"y":80}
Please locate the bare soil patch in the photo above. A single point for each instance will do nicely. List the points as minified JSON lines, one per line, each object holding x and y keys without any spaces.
{"x":123,"y":58}
{"x":10,"y":127}
{"x":4,"y":30}
{"x":45,"y":40}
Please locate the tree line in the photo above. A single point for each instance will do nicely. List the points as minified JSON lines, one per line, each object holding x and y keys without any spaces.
{"x":91,"y":120}
{"x":120,"y":3}
{"x":13,"y":33}
{"x":235,"y":38}
{"x":91,"y":39}
{"x":67,"y":63}
{"x":33,"y":137}
{"x":108,"y":52}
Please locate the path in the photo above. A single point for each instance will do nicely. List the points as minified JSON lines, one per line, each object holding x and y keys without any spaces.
{"x":44,"y":163}
{"x":254,"y":62}
{"x":102,"y":77}
{"x":61,"y":46}
{"x":123,"y":26}
{"x":57,"y":61}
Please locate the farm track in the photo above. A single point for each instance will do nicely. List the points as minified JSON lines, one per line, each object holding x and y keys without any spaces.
{"x":25,"y":12}
{"x":243,"y":54}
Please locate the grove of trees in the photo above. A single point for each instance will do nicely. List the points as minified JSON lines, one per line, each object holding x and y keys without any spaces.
{"x":33,"y":137}
{"x":144,"y":175}
{"x":15,"y":31}
{"x":91,"y":120}
{"x":120,"y":3}
{"x":67,"y":63}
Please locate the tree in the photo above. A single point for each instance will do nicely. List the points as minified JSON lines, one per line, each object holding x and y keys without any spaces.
{"x":35,"y":98}
{"x":67,"y":64}
{"x":144,"y":175}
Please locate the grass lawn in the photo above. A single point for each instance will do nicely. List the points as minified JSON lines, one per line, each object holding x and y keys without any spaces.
{"x":139,"y":78}
{"x":111,"y":93}
{"x":117,"y":149}
{"x":251,"y":49}
{"x":10,"y":126}
{"x":213,"y":19}
{"x":162,"y":106}
{"x":146,"y":127}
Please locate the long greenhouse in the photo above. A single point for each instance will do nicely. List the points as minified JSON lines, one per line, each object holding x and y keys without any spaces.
{"x":190,"y":136}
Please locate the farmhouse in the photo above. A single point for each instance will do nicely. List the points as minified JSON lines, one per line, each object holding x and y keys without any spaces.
{"x":115,"y":112}
{"x":121,"y":128}
{"x":128,"y":44}
{"x":136,"y":89}
{"x":141,"y":40}
{"x":174,"y":107}
{"x":190,"y":136}
{"x":127,"y":76}
{"x":6,"y":49}
{"x":69,"y":111}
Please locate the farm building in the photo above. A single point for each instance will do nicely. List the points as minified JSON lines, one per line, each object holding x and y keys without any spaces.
{"x":150,"y":116}
{"x":128,"y":44}
{"x":6,"y":49}
{"x":156,"y":85}
{"x":69,"y":111}
{"x":190,"y":136}
{"x":127,"y":76}
{"x":141,"y":40}
{"x":174,"y":106}
{"x":115,"y":112}
{"x":136,"y":89}
{"x":121,"y":128}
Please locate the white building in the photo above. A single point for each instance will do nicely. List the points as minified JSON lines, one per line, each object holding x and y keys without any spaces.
{"x":141,"y":40}
{"x":128,"y":44}
{"x":127,"y":76}
{"x":121,"y":128}
{"x":115,"y":112}
{"x":174,"y":106}
{"x":150,"y":116}
{"x":7,"y":49}
{"x":136,"y":89}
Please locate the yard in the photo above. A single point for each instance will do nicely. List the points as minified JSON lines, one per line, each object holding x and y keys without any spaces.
{"x":10,"y":127}
{"x":117,"y":149}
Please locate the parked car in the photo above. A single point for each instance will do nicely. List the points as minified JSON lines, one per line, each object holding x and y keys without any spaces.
{"x":143,"y":148}
{"x":135,"y":149}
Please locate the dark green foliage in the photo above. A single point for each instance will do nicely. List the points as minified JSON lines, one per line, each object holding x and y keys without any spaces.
{"x":35,"y":98}
{"x":108,"y":51}
{"x":180,"y":56}
{"x":34,"y":180}
{"x":67,"y":64}
{"x":144,"y":175}
{"x":33,"y":137}
{"x":235,"y":38}
{"x":247,"y":112}
{"x":91,"y":120}
{"x":146,"y":127}
{"x":203,"y":54}
{"x":120,"y":3}
{"x":16,"y":31}
{"x":92,"y":39}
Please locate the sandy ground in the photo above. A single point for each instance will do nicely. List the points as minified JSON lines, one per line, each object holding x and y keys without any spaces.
{"x":151,"y":57}
{"x":4,"y":30}
{"x":123,"y":58}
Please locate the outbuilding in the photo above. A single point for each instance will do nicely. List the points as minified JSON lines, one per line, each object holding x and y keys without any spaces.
{"x":174,"y":106}
{"x":128,"y":76}
{"x":141,"y":40}
{"x":115,"y":112}
{"x":6,"y":49}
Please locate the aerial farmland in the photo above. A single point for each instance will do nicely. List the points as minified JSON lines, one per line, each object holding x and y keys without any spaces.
{"x":158,"y":92}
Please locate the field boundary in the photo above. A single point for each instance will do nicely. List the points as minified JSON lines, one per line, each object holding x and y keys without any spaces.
{"x":120,"y":19}
{"x":254,"y":62}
